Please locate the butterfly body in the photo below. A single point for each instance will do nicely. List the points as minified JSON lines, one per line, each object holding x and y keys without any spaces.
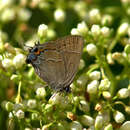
{"x":56,"y":62}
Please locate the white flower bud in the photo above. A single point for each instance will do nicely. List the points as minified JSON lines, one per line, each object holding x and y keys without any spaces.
{"x":41,"y":92}
{"x":106,"y":20}
{"x":95,"y":30}
{"x":108,"y":127}
{"x":20,"y":114}
{"x":123,"y":28}
{"x":7,"y":63}
{"x":24,"y":14}
{"x":91,"y":49}
{"x":99,"y":122}
{"x":94,"y":15}
{"x":9,"y":106}
{"x":92,"y":87}
{"x":45,"y":127}
{"x":81,"y":64}
{"x":31,"y":103}
{"x":75,"y":125}
{"x":84,"y":106}
{"x":95,"y":75}
{"x":109,"y":59}
{"x":105,"y":31}
{"x":123,"y":93}
{"x":82,"y":80}
{"x":119,"y":117}
{"x":59,"y":15}
{"x":42,"y":30}
{"x":82,"y":28}
{"x":106,"y":95}
{"x":125,"y":126}
{"x":87,"y":120}
{"x":51,"y":33}
{"x":104,"y":85}
{"x":75,"y":31}
{"x":19,"y":60}
{"x":8,"y":15}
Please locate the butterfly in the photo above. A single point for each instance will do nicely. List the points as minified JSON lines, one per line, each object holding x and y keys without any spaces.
{"x":56,"y":62}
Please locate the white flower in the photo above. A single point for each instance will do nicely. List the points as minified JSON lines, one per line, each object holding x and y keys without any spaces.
{"x":94,"y":15}
{"x":109,"y":58}
{"x":81,"y":64}
{"x":92,"y":87}
{"x":119,"y":117}
{"x":106,"y":94}
{"x":19,"y":60}
{"x":20,"y":114}
{"x":95,"y":75}
{"x":59,"y":15}
{"x":123,"y":28}
{"x":99,"y":121}
{"x":41,"y":92}
{"x":42,"y":30}
{"x":24,"y":14}
{"x":95,"y":30}
{"x":75,"y":31}
{"x":125,"y":126}
{"x":7,"y":63}
{"x":31,"y":103}
{"x":87,"y":120}
{"x":123,"y":93}
{"x":104,"y":85}
{"x":84,"y":106}
{"x":91,"y":49}
{"x":75,"y":125}
{"x":82,"y":28}
{"x":105,"y":31}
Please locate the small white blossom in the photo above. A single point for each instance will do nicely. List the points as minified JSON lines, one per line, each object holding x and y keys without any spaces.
{"x":95,"y":75}
{"x":99,"y":121}
{"x":92,"y":87}
{"x":41,"y":92}
{"x":123,"y":28}
{"x":84,"y":106}
{"x":109,"y":59}
{"x":105,"y":31}
{"x":125,"y":126}
{"x":119,"y":117}
{"x":19,"y":60}
{"x":104,"y":85}
{"x":123,"y":93}
{"x":87,"y":120}
{"x":42,"y":30}
{"x":75,"y":31}
{"x":106,"y":94}
{"x":91,"y":49}
{"x":95,"y":30}
{"x":82,"y":28}
{"x":94,"y":15}
{"x":59,"y":15}
{"x":75,"y":125}
{"x":81,"y":64}
{"x":7,"y":63}
{"x":20,"y":114}
{"x":31,"y":103}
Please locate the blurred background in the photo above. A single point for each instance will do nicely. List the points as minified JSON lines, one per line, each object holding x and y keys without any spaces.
{"x":104,"y":24}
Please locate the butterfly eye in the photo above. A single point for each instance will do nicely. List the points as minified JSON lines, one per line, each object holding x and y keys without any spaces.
{"x":35,"y":49}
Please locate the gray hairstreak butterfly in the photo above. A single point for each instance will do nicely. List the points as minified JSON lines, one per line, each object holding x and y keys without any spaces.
{"x":56,"y":62}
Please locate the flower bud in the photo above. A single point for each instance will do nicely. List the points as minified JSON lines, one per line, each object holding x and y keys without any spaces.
{"x":95,"y":30}
{"x":20,"y":114}
{"x":19,"y":60}
{"x":109,"y":59}
{"x":71,"y":116}
{"x":87,"y":120}
{"x":82,"y":28}
{"x":91,"y":49}
{"x":51,"y":33}
{"x":46,"y":127}
{"x":42,"y":30}
{"x":9,"y":106}
{"x":84,"y":106}
{"x":104,"y":85}
{"x":125,"y":126}
{"x":127,"y":49}
{"x":123,"y":28}
{"x":95,"y":75}
{"x":105,"y":31}
{"x":81,"y":64}
{"x":75,"y":125}
{"x":75,"y":31}
{"x":106,"y":95}
{"x":119,"y":117}
{"x":106,"y":20}
{"x":31,"y":103}
{"x":92,"y":87}
{"x":108,"y":127}
{"x":41,"y":92}
{"x":99,"y":122}
{"x":94,"y":15}
{"x":59,"y":15}
{"x":98,"y":107}
{"x":7,"y":63}
{"x":123,"y":93}
{"x":82,"y":80}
